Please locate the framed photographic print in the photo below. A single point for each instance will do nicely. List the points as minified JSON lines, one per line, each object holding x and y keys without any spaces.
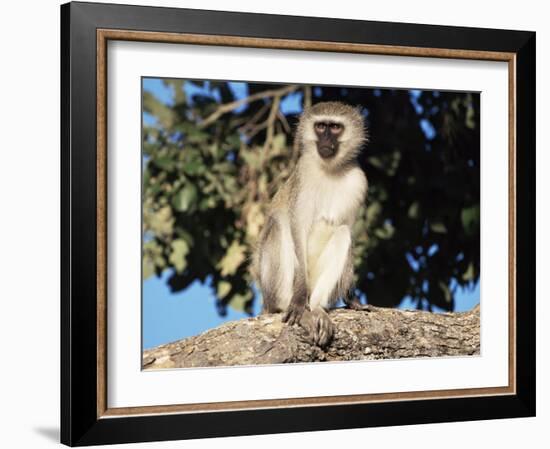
{"x":279,"y":224}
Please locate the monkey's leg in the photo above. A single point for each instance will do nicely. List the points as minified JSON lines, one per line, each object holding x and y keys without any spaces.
{"x":276,"y":266}
{"x":298,"y":302}
{"x":318,"y":325}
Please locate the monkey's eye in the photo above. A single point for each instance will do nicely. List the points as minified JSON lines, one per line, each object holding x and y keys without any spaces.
{"x":336,"y":128}
{"x":320,"y":127}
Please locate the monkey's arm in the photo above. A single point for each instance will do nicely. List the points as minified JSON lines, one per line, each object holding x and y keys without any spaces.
{"x":298,"y":302}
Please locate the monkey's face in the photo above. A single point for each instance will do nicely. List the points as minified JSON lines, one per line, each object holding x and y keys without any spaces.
{"x":331,"y":133}
{"x":327,"y":133}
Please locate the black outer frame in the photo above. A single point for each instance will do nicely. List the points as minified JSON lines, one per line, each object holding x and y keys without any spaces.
{"x":79,"y":422}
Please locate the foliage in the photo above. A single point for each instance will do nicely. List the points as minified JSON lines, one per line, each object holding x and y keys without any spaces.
{"x":213,"y":159}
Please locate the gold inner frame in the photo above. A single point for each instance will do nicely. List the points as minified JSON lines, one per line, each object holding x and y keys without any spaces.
{"x":104,"y":35}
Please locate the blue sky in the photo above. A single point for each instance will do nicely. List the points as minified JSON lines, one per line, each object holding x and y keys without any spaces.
{"x":168,"y":317}
{"x":172,"y":316}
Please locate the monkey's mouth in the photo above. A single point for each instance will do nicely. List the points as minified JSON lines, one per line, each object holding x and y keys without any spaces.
{"x":326,"y":152}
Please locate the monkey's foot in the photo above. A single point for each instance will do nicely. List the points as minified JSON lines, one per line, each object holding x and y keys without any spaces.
{"x":294,"y":313}
{"x":355,"y":304}
{"x":318,"y":326}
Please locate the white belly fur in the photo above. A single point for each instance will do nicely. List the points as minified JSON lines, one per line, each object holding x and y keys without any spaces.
{"x":318,"y":238}
{"x":330,"y":203}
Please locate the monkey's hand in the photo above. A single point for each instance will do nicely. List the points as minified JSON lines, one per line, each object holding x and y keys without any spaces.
{"x":294,"y":313}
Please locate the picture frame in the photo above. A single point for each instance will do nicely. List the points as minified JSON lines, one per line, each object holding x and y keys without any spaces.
{"x":86,"y":29}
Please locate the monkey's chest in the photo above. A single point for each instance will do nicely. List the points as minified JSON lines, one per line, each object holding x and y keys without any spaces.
{"x":334,"y":202}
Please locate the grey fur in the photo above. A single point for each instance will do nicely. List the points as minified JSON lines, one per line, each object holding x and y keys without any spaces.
{"x":280,"y":261}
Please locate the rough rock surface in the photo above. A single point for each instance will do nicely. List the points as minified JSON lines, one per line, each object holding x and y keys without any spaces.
{"x":360,"y":335}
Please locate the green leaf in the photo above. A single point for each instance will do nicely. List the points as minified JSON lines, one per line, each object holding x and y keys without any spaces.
{"x":151,"y":149}
{"x":180,"y":249}
{"x":254,"y":221}
{"x":177,"y":88}
{"x":413,"y":210}
{"x":252,"y":157}
{"x":194,"y":167}
{"x":233,"y":258}
{"x":223,"y":289}
{"x":374,"y":209}
{"x":239,"y":300}
{"x":376,"y":162}
{"x":185,"y":198}
{"x":388,"y":163}
{"x":469,"y":274}
{"x":164,"y":114}
{"x":446,"y":292}
{"x":233,"y":141}
{"x":278,"y":144}
{"x":165,"y":162}
{"x":207,"y":202}
{"x":470,"y":219}
{"x":385,"y":232}
{"x":152,"y":259}
{"x":438,"y":227}
{"x":196,"y":136}
{"x":160,"y":222}
{"x":146,"y":176}
{"x":148,"y":268}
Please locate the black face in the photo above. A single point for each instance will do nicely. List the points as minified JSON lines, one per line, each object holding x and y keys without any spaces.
{"x":327,"y":138}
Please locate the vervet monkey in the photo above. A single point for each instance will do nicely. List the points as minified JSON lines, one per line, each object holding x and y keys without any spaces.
{"x":303,"y":262}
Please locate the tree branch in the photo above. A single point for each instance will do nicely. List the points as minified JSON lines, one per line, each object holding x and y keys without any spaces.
{"x":271,"y":125}
{"x":228,"y":107}
{"x":380,"y":334}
